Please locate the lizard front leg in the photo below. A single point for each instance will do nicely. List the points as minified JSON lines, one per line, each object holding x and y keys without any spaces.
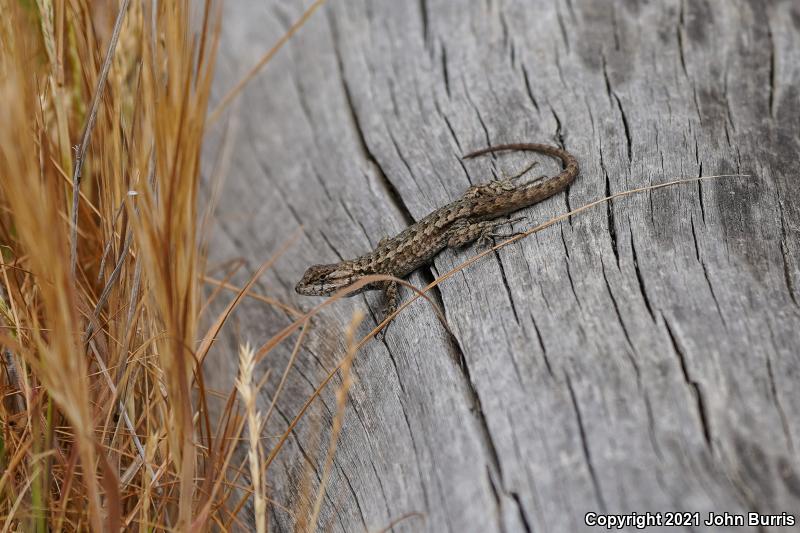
{"x":391,"y":294}
{"x":391,"y":299}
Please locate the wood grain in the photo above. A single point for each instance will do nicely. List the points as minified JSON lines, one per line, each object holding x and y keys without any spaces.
{"x":642,"y":356}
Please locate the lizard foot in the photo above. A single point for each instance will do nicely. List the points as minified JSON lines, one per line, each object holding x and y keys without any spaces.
{"x":489,"y":235}
{"x":391,"y":293}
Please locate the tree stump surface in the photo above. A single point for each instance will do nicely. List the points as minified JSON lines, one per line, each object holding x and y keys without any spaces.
{"x":640,"y":356}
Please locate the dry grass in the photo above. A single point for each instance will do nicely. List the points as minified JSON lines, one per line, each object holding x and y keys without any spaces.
{"x":100,"y":428}
{"x":103,"y":409}
{"x":105,"y":423}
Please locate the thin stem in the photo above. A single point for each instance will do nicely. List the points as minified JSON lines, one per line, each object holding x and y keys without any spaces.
{"x":87,"y":135}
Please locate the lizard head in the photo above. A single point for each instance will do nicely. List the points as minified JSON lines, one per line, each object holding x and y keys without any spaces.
{"x":324,"y":280}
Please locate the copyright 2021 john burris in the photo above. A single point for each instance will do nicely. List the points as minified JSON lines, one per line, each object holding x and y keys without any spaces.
{"x":696,"y":519}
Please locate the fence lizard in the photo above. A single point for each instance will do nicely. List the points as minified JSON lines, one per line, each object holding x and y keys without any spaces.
{"x":472,"y":217}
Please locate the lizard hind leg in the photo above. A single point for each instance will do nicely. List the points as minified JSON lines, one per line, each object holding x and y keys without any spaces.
{"x":487,"y":236}
{"x":483,"y":232}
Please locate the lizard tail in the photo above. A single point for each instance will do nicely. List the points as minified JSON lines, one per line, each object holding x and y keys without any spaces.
{"x":570,"y":163}
{"x":539,"y":190}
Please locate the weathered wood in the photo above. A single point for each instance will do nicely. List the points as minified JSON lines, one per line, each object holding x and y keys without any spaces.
{"x":642,"y":356}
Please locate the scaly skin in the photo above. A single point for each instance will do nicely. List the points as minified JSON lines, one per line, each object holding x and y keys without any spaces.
{"x":471,"y":217}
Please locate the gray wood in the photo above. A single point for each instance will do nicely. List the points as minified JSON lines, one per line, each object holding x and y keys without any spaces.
{"x":640,"y":357}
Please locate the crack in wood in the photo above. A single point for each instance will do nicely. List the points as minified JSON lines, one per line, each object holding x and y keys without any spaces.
{"x":311,"y":467}
{"x":445,"y":72}
{"x":423,"y":15}
{"x":587,"y":456}
{"x":679,"y":35}
{"x":572,"y":285}
{"x":389,"y":187}
{"x":639,"y":277}
{"x":504,"y":279}
{"x":694,"y":240}
{"x":452,"y":131}
{"x":625,"y":332}
{"x":612,"y":231}
{"x":702,"y":410}
{"x":713,"y":294}
{"x":788,"y":275}
{"x":773,"y":76}
{"x":563,"y":27}
{"x":528,"y":88}
{"x":545,"y":357}
{"x":776,"y":398}
{"x":626,"y":127}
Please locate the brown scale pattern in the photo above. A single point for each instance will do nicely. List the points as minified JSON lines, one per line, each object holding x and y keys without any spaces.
{"x":461,"y":221}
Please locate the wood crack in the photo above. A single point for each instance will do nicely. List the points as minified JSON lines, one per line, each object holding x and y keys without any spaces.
{"x":392,"y":194}
{"x":788,"y":275}
{"x":353,"y":492}
{"x":702,"y":410}
{"x":528,"y":88}
{"x":331,"y":246}
{"x":504,"y":279}
{"x":625,"y":332}
{"x":423,"y":16}
{"x":497,"y":502}
{"x":713,"y":294}
{"x":445,"y":72}
{"x":700,"y":196}
{"x":417,"y":462}
{"x":523,"y":516}
{"x":572,"y":285}
{"x":626,"y":127}
{"x":481,"y":122}
{"x":478,"y":411}
{"x":563,"y":27}
{"x":452,"y":134}
{"x":640,"y":278}
{"x":612,"y":228}
{"x":560,"y":137}
{"x":679,"y":28}
{"x":311,"y":465}
{"x":776,"y":398}
{"x":384,"y":499}
{"x":694,"y":240}
{"x":773,"y":76}
{"x":356,"y":220}
{"x":651,"y":427}
{"x":545,"y":357}
{"x":587,"y":456}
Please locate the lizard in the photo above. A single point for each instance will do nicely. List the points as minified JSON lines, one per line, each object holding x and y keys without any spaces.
{"x":471,"y":217}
